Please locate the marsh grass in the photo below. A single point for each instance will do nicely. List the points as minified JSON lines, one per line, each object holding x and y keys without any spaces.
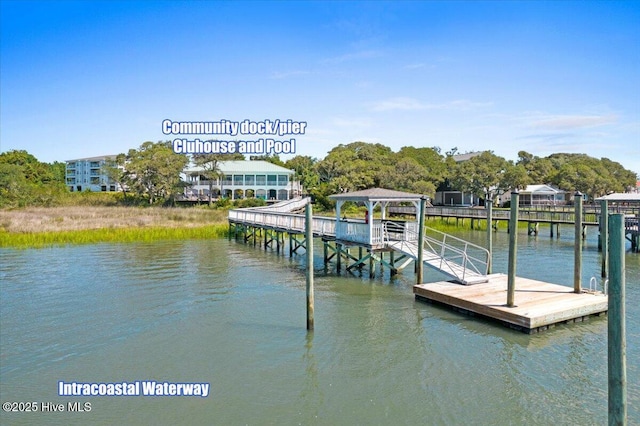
{"x":46,"y":226}
{"x":120,"y":235}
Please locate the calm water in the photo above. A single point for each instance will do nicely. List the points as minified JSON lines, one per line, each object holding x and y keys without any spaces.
{"x":234,"y":316}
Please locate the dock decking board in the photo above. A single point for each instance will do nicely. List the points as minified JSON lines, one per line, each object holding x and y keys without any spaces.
{"x":538,"y":304}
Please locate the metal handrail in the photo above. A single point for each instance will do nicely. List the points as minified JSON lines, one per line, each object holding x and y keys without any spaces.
{"x":450,"y":255}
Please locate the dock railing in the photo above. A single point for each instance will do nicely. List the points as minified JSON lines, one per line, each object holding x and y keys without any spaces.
{"x":589,"y":217}
{"x":443,"y":251}
{"x":322,"y":226}
{"x":285,"y":206}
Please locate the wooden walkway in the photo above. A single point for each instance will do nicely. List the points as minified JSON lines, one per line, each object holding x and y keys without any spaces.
{"x":539,"y":305}
{"x":558,"y":216}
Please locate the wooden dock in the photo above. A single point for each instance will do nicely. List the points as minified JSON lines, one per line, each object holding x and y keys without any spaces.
{"x":539,"y":305}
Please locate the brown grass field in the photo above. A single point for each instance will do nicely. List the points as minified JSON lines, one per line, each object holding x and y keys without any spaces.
{"x":78,"y":218}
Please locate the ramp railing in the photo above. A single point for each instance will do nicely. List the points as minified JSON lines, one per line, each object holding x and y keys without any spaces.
{"x":442,"y":251}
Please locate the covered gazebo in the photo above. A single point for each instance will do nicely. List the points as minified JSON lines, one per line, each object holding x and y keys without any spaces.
{"x":368,"y":231}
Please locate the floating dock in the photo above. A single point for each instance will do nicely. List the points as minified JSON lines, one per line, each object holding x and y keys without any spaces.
{"x":539,"y":305}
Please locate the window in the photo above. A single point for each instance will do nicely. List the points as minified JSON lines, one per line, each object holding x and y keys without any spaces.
{"x":261,"y":180}
{"x":272,"y":180}
{"x":249,"y":180}
{"x":238,"y":180}
{"x":283,"y":180}
{"x":227,"y":180}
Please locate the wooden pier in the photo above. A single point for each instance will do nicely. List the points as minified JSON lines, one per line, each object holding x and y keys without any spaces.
{"x":351,"y":243}
{"x":538,"y":305}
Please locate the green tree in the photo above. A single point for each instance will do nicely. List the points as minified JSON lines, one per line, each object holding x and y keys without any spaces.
{"x":591,"y":176}
{"x":210,"y":164}
{"x":270,"y":158}
{"x":408,"y":175}
{"x":356,"y":166}
{"x":14,"y":189}
{"x":515,"y":177}
{"x":481,"y":175}
{"x":26,"y":181}
{"x":436,"y":168}
{"x":305,"y":172}
{"x":115,"y":169}
{"x":153,"y":170}
{"x":539,"y":170}
{"x":33,"y":170}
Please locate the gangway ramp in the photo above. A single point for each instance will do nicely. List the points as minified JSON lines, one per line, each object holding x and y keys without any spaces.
{"x":287,"y":206}
{"x":465,"y":262}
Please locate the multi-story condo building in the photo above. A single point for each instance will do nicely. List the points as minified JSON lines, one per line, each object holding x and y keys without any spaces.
{"x":243,"y":179}
{"x":88,"y":174}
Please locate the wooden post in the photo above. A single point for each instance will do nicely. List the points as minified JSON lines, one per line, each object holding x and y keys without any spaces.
{"x":604,"y":234}
{"x":577,"y":246}
{"x":326,"y":252}
{"x":309,"y":248}
{"x":420,"y":264}
{"x":513,"y":243}
{"x":489,"y":234}
{"x":392,"y":262}
{"x":617,"y":345}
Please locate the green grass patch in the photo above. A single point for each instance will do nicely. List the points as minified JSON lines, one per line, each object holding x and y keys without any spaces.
{"x":114,"y":235}
{"x":444,"y":225}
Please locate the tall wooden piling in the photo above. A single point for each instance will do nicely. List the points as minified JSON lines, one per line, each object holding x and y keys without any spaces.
{"x":513,"y":245}
{"x":604,"y":234}
{"x":309,"y":247}
{"x":617,"y":345}
{"x":420,"y":263}
{"x":577,"y":247}
{"x":489,"y":204}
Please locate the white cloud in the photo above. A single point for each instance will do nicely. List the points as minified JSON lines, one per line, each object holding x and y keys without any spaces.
{"x":408,"y":104}
{"x":362,"y":122}
{"x":414,"y":66}
{"x":397,"y":104}
{"x":364,"y":54}
{"x":286,"y":74}
{"x":565,"y":122}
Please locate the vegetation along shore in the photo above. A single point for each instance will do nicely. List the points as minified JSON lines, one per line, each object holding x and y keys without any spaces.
{"x":45,"y":226}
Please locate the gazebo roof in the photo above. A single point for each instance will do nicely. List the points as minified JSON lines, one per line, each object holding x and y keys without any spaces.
{"x":376,"y":194}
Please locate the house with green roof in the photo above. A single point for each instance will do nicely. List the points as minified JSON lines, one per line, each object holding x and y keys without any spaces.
{"x":243,"y":179}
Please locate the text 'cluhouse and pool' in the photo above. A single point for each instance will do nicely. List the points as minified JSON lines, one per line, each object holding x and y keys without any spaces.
{"x":272,"y":141}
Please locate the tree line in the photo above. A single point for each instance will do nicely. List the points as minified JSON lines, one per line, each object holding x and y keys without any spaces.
{"x":152,"y":172}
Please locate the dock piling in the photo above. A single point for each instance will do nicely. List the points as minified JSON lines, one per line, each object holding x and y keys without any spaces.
{"x":617,"y":345}
{"x":420,"y":263}
{"x":309,"y":248}
{"x":577,"y":247}
{"x":489,"y":232}
{"x":513,"y":243}
{"x":604,"y":234}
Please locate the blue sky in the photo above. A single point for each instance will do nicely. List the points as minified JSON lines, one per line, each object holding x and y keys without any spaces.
{"x":81,"y":79}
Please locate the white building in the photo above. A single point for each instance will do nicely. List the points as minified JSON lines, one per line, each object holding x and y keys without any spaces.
{"x":244,"y":179}
{"x":538,"y":195}
{"x":88,"y":174}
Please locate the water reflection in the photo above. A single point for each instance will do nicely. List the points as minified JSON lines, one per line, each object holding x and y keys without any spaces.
{"x":234,"y":315}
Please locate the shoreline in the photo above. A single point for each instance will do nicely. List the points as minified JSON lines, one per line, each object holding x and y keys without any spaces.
{"x":38,"y":227}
